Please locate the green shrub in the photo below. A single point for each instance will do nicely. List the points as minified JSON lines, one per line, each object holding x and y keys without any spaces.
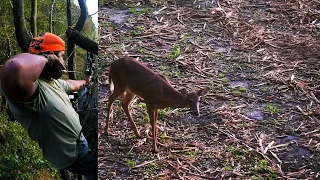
{"x":136,"y":11}
{"x":20,"y":157}
{"x":272,"y":108}
{"x":175,"y":52}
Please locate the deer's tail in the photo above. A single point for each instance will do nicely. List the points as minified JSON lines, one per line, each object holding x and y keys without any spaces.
{"x":111,"y":85}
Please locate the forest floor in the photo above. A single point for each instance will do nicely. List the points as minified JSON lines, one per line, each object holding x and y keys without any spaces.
{"x":261,"y":61}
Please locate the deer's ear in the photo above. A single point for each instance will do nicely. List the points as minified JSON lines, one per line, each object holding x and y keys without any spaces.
{"x":183,"y":91}
{"x":203,"y":91}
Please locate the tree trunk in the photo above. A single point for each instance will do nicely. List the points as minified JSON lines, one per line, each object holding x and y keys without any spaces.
{"x":75,"y":37}
{"x":78,"y":27}
{"x":22,"y":35}
{"x":83,"y":15}
{"x":8,"y":48}
{"x":51,"y":15}
{"x":69,"y":13}
{"x":33,"y":18}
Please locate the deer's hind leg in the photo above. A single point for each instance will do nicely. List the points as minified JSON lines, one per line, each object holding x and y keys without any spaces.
{"x":118,"y":91}
{"x":127,"y":99}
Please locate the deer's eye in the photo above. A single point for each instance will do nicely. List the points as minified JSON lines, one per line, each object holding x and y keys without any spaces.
{"x":190,"y":101}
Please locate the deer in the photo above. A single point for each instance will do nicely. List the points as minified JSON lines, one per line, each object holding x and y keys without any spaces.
{"x":130,"y":78}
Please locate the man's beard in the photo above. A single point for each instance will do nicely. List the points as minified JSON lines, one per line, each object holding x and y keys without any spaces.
{"x":51,"y":72}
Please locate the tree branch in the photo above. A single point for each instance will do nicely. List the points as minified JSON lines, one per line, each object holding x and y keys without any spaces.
{"x":51,"y":14}
{"x":79,"y":26}
{"x":33,"y":18}
{"x":75,"y":37}
{"x":22,"y":35}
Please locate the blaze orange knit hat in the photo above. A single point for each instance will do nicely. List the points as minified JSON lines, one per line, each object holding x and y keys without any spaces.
{"x":46,"y":42}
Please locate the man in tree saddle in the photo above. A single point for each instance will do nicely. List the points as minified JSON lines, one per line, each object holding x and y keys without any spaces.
{"x":39,"y":101}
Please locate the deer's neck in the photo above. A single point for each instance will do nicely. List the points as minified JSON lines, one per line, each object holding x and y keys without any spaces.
{"x":174,"y":99}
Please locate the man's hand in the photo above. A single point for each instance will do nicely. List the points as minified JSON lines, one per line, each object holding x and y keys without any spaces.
{"x":54,"y":60}
{"x":88,"y":80}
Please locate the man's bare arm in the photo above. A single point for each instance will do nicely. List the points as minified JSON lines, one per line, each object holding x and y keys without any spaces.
{"x":19,"y":73}
{"x":76,"y":85}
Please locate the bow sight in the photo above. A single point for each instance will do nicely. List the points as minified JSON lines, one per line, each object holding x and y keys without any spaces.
{"x":86,"y":90}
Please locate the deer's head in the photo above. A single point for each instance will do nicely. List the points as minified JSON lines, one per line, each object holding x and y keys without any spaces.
{"x":193,"y":99}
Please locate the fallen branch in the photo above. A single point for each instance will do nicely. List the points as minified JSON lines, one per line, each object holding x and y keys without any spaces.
{"x":144,"y":163}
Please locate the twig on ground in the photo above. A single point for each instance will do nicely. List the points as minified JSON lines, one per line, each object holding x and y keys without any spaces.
{"x":144,"y":164}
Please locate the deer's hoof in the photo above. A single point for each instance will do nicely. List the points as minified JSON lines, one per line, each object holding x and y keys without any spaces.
{"x":155,"y":150}
{"x":106,"y":131}
{"x":138,"y":135}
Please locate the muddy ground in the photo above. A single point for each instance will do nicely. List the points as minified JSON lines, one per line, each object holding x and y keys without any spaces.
{"x":260,"y":60}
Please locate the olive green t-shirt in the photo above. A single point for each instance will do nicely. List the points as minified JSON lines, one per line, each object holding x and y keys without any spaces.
{"x":51,"y":121}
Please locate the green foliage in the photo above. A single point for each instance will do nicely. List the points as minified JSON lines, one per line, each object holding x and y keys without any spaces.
{"x":141,"y":29}
{"x":242,"y":89}
{"x":20,"y":157}
{"x":237,"y":152}
{"x":272,"y":108}
{"x":107,"y":55}
{"x":152,"y":167}
{"x":8,"y":43}
{"x":175,"y":52}
{"x":143,"y":50}
{"x":163,"y":137}
{"x":146,"y":117}
{"x":129,"y":162}
{"x":221,"y":75}
{"x":137,"y":30}
{"x":238,"y":90}
{"x":133,"y":136}
{"x":228,"y":168}
{"x":134,"y":32}
{"x":191,"y":153}
{"x":108,"y":25}
{"x":262,"y":167}
{"x":162,"y":113}
{"x":143,"y":105}
{"x":224,"y":80}
{"x":119,"y":106}
{"x":136,"y":11}
{"x":263,"y":89}
{"x":169,"y":71}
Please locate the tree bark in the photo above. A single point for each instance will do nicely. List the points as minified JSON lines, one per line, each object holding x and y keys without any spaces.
{"x":8,"y":48}
{"x":33,"y":18}
{"x":83,"y":15}
{"x":22,"y":35}
{"x":79,"y":26}
{"x":75,"y":37}
{"x":69,"y":13}
{"x":51,"y":14}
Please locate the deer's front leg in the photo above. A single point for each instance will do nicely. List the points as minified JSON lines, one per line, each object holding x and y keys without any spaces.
{"x":152,"y":115}
{"x":106,"y":128}
{"x":116,"y":93}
